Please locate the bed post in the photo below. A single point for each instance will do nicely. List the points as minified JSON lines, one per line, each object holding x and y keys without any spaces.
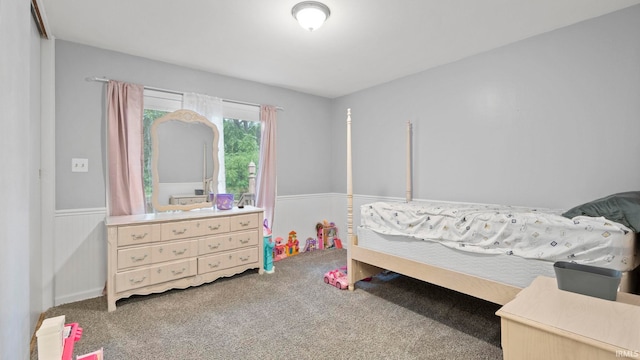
{"x":409,"y":178}
{"x":349,"y":183}
{"x":350,"y":239}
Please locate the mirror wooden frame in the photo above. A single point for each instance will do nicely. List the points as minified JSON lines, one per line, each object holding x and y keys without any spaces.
{"x":186,"y":116}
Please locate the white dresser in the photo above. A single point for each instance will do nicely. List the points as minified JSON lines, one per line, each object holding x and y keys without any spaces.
{"x":153,"y":253}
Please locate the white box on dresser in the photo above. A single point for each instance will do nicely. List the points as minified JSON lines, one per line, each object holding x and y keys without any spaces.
{"x":152,"y":253}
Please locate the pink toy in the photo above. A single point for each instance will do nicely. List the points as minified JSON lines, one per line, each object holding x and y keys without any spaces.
{"x":279,"y":250}
{"x":327,"y":235}
{"x":319,"y":233}
{"x":336,"y":278}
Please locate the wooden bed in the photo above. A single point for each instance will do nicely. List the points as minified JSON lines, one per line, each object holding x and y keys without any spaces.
{"x":366,"y":262}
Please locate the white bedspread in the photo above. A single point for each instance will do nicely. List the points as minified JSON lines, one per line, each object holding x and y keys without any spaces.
{"x":519,"y":231}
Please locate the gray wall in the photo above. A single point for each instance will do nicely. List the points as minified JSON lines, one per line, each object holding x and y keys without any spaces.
{"x":80,"y":119}
{"x":17,"y":156}
{"x":550,"y":121}
{"x":35,"y":242}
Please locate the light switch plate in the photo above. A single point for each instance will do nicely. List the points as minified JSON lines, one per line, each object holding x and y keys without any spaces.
{"x":79,"y":165}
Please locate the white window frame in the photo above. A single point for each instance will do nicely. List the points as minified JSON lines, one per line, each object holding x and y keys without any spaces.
{"x":162,"y":100}
{"x":234,"y":110}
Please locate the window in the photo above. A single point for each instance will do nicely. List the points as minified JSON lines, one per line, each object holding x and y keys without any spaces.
{"x":241,"y":135}
{"x":241,"y":148}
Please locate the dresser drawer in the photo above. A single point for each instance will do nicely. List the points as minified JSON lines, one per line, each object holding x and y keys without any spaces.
{"x":246,"y":256}
{"x":138,"y":234}
{"x":215,"y":262}
{"x":134,"y":257}
{"x":133,"y":279}
{"x":179,"y":230}
{"x":214,"y":244}
{"x":174,"y":251}
{"x":244,"y":239}
{"x":214,"y":226}
{"x":173,"y":271}
{"x":243,"y":222}
{"x":227,"y":260}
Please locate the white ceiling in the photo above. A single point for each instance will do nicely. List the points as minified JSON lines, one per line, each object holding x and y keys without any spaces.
{"x":363,"y":43}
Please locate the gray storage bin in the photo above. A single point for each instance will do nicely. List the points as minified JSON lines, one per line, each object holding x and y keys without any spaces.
{"x":588,"y":280}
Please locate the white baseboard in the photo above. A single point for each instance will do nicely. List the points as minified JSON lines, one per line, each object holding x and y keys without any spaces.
{"x":79,"y":296}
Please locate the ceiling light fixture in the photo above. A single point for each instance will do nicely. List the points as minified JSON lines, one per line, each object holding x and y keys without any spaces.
{"x":310,"y":14}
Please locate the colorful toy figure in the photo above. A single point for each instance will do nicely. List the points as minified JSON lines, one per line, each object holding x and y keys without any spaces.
{"x":279,"y":250}
{"x":336,"y":278}
{"x":327,"y":233}
{"x":269,"y":244}
{"x":319,"y":234}
{"x":332,"y":235}
{"x":292,"y":247}
{"x":310,"y":245}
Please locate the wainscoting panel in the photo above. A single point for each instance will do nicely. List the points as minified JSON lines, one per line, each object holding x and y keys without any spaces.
{"x":301,"y":213}
{"x":79,"y":252}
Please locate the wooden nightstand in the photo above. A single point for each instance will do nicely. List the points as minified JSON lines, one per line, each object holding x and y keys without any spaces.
{"x":543,"y":322}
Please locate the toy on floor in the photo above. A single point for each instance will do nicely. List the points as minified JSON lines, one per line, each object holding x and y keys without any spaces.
{"x":336,"y":278}
{"x":310,"y":245}
{"x":344,"y":270}
{"x":320,"y":235}
{"x":279,"y":252}
{"x":327,"y":233}
{"x":268,"y":244}
{"x":292,"y":247}
{"x":332,"y":236}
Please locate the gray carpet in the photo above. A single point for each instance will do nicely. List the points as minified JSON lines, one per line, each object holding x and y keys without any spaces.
{"x":292,"y":314}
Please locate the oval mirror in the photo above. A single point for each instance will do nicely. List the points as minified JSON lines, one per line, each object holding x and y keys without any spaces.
{"x":184,"y":161}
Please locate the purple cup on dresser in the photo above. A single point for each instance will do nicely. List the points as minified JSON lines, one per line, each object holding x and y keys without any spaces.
{"x":224,"y":201}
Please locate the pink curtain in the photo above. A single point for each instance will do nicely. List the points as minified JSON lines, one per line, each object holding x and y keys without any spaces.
{"x":125,"y":154}
{"x":266,"y":187}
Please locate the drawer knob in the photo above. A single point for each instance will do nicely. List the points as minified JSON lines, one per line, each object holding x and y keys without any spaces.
{"x":178,"y":272}
{"x":179,"y":232}
{"x":138,"y":237}
{"x":178,"y":252}
{"x":136,"y":259}
{"x":134,"y":281}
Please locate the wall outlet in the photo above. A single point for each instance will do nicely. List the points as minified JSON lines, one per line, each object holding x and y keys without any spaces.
{"x":79,"y":165}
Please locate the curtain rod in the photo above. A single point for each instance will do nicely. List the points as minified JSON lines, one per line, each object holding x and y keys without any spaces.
{"x":95,"y":78}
